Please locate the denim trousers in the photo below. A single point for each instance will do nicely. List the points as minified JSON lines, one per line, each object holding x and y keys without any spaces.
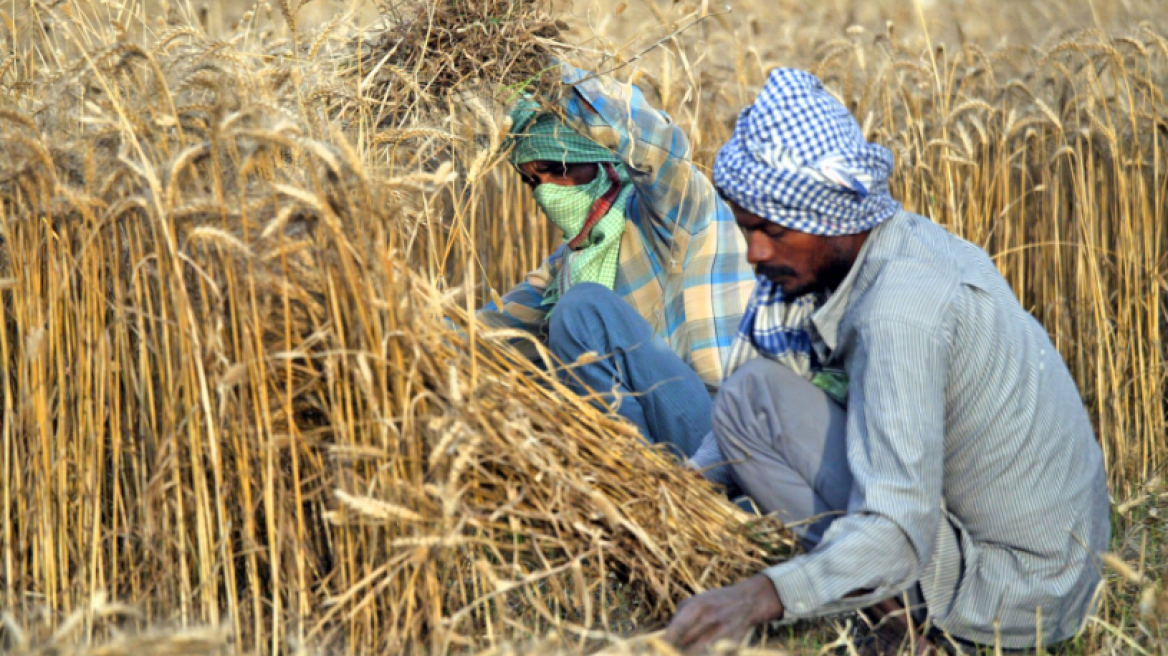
{"x":636,"y":374}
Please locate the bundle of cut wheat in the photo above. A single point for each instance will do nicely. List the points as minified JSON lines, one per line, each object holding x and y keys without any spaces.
{"x":230,"y":398}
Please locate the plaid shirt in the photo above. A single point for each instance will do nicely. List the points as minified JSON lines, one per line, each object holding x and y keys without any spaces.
{"x":682,"y":258}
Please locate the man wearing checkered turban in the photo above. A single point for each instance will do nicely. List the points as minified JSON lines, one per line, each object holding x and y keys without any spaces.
{"x":650,"y":275}
{"x":887,"y":390}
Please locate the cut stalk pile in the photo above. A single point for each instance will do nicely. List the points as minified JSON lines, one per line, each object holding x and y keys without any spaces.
{"x":231,"y":394}
{"x":231,"y":398}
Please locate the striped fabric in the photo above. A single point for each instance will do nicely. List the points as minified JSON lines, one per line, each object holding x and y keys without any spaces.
{"x":682,"y":262}
{"x":777,"y":329}
{"x":976,"y":471}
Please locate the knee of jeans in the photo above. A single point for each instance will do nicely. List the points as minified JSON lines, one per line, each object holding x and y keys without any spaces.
{"x":742,"y":414}
{"x":580,"y":311}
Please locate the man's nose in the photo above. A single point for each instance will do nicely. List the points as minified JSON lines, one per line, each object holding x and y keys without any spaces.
{"x":758,"y":247}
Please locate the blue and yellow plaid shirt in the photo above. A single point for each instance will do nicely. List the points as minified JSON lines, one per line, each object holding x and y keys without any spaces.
{"x":682,"y":257}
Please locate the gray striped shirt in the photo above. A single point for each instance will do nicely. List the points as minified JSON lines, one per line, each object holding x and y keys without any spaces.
{"x":976,"y":471}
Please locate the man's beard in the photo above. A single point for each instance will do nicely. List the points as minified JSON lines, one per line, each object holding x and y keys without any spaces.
{"x":826,"y":278}
{"x":772,"y":273}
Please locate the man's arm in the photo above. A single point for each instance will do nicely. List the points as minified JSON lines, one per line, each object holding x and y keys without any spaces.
{"x":708,"y":459}
{"x":523,"y":305}
{"x":896,"y":423}
{"x":656,"y":151}
{"x":896,"y":426}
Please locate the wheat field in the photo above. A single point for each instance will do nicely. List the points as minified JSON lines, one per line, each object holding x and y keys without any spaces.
{"x":246,"y":410}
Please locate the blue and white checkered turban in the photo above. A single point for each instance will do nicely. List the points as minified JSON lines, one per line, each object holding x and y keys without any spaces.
{"x":799,"y":159}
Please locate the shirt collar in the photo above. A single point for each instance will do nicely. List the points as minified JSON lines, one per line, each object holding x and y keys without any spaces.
{"x":827,"y":318}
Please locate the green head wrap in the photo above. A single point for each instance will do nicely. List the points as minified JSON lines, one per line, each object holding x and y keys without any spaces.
{"x":539,"y":135}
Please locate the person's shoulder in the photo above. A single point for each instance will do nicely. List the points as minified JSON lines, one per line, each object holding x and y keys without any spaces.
{"x":911,"y":272}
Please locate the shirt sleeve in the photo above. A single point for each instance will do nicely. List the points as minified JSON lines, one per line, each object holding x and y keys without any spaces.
{"x":895,"y":448}
{"x":708,"y":459}
{"x":670,"y":188}
{"x":523,"y":305}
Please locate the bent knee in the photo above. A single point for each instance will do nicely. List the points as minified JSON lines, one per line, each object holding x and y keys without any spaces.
{"x":586,"y":297}
{"x":745,"y":408}
{"x":583,"y":306}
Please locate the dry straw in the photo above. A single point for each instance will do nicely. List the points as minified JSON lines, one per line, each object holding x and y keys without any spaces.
{"x":1050,"y":155}
{"x":229,"y":394}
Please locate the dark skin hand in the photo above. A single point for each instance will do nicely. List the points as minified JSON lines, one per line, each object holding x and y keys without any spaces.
{"x":724,"y":614}
{"x":798,"y":263}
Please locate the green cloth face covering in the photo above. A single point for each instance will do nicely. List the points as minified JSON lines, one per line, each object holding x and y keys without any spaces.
{"x":567,"y":208}
{"x":537,"y":135}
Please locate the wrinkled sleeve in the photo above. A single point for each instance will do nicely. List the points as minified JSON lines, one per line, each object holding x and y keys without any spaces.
{"x":708,"y":459}
{"x":670,"y":188}
{"x":522,"y":305}
{"x":895,"y":448}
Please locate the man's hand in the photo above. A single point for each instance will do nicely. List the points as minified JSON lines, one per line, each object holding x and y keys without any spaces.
{"x":724,"y":613}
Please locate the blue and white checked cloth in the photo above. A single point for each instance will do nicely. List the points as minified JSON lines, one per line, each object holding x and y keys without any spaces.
{"x":776,"y":329}
{"x":799,"y":159}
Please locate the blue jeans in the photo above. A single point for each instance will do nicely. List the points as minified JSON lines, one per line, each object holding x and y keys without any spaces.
{"x":637,"y":372}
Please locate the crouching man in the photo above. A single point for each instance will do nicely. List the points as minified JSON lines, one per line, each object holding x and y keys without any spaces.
{"x":651,"y":275}
{"x":904,"y":404}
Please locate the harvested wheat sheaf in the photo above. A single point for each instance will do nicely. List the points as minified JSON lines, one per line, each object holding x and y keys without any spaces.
{"x":497,"y":47}
{"x":230,"y":395}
